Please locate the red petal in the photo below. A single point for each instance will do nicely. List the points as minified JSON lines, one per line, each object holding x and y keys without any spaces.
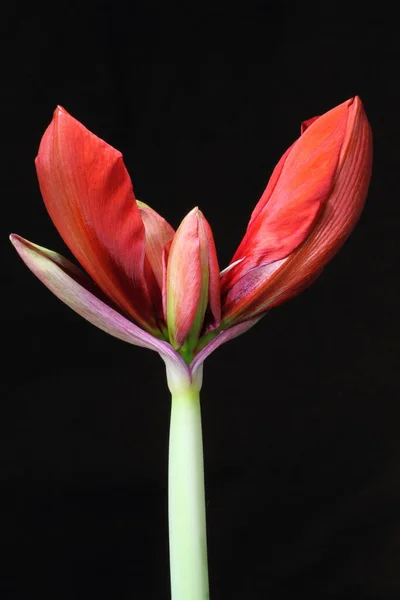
{"x":88,"y":194}
{"x":214,"y":284}
{"x":158,"y":234}
{"x":193,"y":281}
{"x":276,"y":173}
{"x":165,"y":257}
{"x":184,"y":279}
{"x":265,"y":286}
{"x":302,"y":183}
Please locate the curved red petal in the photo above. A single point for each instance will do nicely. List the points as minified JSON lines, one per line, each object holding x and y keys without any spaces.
{"x":158,"y":234}
{"x":183,"y":279}
{"x":268,"y":285}
{"x":277,"y":173}
{"x":302,"y":183}
{"x":192,"y":281}
{"x":273,"y":180}
{"x":88,"y":194}
{"x":214,"y":283}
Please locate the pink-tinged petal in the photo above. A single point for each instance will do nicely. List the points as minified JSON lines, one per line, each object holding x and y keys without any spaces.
{"x":183,"y":279}
{"x":221,"y":338}
{"x":192,"y":280}
{"x":303,"y":183}
{"x":76,"y":290}
{"x":88,"y":194}
{"x":267,"y":285}
{"x":158,"y":234}
{"x":214,"y":282}
{"x":165,"y":257}
{"x":242,"y":300}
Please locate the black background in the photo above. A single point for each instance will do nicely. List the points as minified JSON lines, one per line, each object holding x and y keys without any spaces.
{"x":301,"y":415}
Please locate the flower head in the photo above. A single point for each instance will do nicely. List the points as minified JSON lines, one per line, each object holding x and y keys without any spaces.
{"x":154,"y":287}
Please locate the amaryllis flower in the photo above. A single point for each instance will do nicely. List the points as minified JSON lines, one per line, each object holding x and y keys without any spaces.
{"x":144,"y":283}
{"x":153,"y":287}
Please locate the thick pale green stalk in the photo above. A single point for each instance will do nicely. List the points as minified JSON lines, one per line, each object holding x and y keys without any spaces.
{"x":186,"y":503}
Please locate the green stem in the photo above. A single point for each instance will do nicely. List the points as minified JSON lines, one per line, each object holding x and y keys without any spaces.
{"x":186,"y":503}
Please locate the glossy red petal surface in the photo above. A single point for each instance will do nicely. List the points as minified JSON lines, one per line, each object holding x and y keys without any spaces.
{"x":273,"y":180}
{"x":302,"y":183}
{"x":267,"y":285}
{"x":158,"y":234}
{"x":214,"y":283}
{"x":192,"y":281}
{"x":88,"y":194}
{"x":183,"y":279}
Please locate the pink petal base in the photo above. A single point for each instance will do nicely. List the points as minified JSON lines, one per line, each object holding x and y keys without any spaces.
{"x":221,"y":338}
{"x":73,"y":287}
